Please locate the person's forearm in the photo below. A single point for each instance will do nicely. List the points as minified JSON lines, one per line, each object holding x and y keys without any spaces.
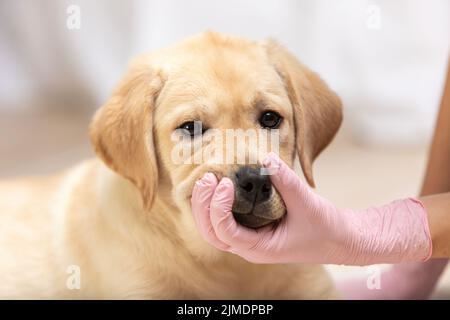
{"x":437,"y":176}
{"x":438,"y":210}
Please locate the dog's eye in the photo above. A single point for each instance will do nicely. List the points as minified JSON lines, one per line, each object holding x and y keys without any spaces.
{"x":270,"y":120}
{"x":193,"y":128}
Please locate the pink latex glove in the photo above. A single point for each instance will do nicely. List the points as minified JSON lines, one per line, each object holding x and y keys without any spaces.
{"x":313,"y":230}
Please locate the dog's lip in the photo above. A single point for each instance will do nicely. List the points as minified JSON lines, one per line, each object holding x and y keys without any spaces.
{"x":255,"y":215}
{"x":253,"y":221}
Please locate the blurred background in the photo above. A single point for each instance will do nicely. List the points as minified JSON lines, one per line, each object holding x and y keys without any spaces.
{"x":59,"y":60}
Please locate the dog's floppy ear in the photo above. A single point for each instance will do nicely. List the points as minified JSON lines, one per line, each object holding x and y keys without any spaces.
{"x":121,"y":130}
{"x":317,"y":109}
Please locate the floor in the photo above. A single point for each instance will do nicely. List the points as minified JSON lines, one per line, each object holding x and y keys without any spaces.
{"x":349,"y":174}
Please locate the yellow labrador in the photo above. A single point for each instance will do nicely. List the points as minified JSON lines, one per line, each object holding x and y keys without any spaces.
{"x":121,"y":226}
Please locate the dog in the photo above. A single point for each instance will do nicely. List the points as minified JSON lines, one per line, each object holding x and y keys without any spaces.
{"x":120,"y":226}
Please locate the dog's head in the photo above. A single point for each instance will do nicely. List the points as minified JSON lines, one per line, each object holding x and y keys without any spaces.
{"x":195,"y":97}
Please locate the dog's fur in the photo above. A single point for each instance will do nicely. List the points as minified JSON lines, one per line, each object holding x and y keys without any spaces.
{"x":125,"y":218}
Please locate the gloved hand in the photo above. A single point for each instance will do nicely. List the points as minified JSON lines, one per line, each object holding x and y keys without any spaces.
{"x":313,"y":230}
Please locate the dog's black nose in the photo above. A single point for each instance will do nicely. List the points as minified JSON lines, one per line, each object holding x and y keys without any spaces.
{"x":253,"y":186}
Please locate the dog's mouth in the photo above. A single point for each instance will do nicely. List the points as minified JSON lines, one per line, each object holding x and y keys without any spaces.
{"x":251,"y":220}
{"x":256,"y":202}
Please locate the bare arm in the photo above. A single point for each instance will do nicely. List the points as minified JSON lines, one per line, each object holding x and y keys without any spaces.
{"x":438,"y":209}
{"x":437,"y":179}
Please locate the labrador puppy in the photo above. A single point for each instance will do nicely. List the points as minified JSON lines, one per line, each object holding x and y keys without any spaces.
{"x":120,"y":226}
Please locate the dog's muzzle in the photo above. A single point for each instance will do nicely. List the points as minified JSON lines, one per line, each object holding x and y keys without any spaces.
{"x":255,"y":202}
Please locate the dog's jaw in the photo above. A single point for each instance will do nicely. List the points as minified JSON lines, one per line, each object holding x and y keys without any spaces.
{"x":252,"y":221}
